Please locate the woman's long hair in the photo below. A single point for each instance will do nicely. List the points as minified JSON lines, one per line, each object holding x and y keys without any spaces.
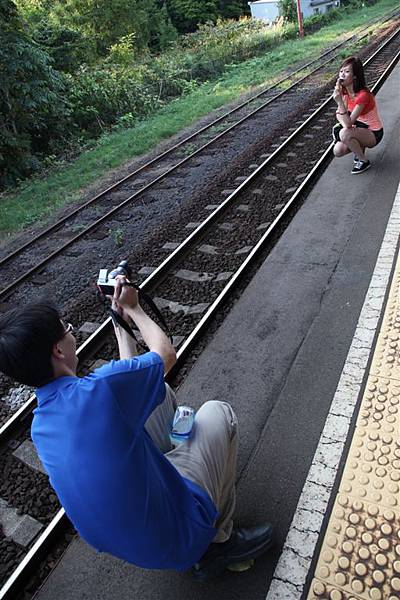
{"x":358,"y":73}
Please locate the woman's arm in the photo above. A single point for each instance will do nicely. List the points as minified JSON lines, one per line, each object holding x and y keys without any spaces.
{"x":356,"y":112}
{"x":341,"y":112}
{"x":345,"y":119}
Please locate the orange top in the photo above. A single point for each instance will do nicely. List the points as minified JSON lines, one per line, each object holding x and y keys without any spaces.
{"x":369,"y":114}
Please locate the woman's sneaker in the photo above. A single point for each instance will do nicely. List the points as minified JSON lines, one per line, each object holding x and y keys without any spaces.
{"x":360,"y":166}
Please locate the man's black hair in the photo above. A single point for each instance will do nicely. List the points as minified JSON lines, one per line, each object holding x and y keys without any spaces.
{"x":27,"y":337}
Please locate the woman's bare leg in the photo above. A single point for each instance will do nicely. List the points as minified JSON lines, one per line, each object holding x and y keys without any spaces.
{"x":340,"y":149}
{"x":357,"y":139}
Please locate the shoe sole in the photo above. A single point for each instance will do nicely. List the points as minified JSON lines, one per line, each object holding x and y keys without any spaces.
{"x":221,"y":563}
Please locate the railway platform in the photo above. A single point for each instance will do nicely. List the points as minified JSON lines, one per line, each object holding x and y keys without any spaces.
{"x":309,"y":357}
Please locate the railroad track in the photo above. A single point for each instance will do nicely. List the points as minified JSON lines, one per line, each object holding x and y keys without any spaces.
{"x":21,"y":264}
{"x":157,"y":256}
{"x":200,"y":273}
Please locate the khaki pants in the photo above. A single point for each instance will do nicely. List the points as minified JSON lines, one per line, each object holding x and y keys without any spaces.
{"x":208,"y":458}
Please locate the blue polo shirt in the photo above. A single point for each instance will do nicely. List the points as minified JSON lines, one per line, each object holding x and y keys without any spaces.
{"x":120,"y":492}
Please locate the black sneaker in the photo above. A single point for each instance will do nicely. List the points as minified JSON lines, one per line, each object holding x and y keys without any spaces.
{"x":360,"y":166}
{"x":243,"y":545}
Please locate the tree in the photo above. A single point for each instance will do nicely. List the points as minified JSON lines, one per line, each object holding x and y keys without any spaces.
{"x":107,"y":21}
{"x":186,"y":15}
{"x":288,"y":10}
{"x":31,"y":106}
{"x":233,"y":9}
{"x":67,"y":47}
{"x":162,"y":31}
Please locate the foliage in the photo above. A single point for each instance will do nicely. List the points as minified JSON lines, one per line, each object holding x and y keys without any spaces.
{"x":98,"y":96}
{"x":34,"y":11}
{"x":31,"y":106}
{"x":288,"y":10}
{"x":67,"y":47}
{"x":107,"y":77}
{"x":99,"y":23}
{"x":66,"y":180}
{"x":106,"y":22}
{"x":233,"y":9}
{"x":186,"y":15}
{"x":314,"y":22}
{"x":162,"y":31}
{"x":123,"y":52}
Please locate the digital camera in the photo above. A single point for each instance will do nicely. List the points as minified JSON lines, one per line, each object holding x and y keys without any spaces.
{"x":106,"y":281}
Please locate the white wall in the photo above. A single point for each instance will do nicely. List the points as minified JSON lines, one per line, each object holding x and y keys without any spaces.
{"x":322,"y":8}
{"x":269,"y":11}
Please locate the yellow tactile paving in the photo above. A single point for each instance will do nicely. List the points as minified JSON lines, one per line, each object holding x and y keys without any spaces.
{"x":360,"y":554}
{"x":360,"y":557}
{"x":386,"y":359}
{"x":372,"y":470}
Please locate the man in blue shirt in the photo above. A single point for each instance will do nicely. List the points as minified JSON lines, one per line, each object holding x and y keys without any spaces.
{"x":104,"y":442}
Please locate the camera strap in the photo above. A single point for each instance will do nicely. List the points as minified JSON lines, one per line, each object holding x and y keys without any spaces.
{"x":143,"y":299}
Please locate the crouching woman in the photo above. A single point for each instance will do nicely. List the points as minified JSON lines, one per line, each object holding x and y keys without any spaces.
{"x":359,"y":125}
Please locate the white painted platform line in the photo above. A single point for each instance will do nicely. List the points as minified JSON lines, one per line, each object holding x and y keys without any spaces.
{"x":294,"y":563}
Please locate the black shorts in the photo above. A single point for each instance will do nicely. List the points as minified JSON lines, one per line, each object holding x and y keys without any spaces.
{"x":378,"y":135}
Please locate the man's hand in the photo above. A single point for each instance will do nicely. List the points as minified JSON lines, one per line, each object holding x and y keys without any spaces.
{"x":120,"y":311}
{"x":125,"y":296}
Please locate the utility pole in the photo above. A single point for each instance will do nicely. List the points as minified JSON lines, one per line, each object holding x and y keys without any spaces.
{"x":300,"y":19}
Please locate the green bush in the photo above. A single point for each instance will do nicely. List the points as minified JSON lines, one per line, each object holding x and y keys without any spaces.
{"x":315,"y":22}
{"x":97,"y":97}
{"x":32,"y":110}
{"x":136,"y":85}
{"x":45,"y":111}
{"x":67,"y":47}
{"x":288,"y":10}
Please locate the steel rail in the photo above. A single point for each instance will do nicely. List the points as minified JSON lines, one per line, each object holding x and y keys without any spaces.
{"x":59,"y":522}
{"x":90,"y":345}
{"x":193,"y":337}
{"x":155,"y":277}
{"x":13,"y":584}
{"x":198,"y":232}
{"x":8,"y":289}
{"x":156,"y":159}
{"x":159,"y":273}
